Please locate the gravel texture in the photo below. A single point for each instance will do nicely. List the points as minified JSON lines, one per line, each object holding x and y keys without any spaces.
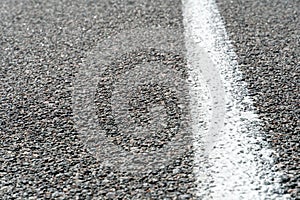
{"x":141,"y":100}
{"x":42,"y":156}
{"x":266,"y":36}
{"x":44,"y":43}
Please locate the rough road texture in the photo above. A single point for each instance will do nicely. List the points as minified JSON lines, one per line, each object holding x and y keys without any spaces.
{"x":41,"y":155}
{"x":266,"y":36}
{"x":42,"y":44}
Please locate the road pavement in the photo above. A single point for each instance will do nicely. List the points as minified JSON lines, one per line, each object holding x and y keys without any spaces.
{"x":65,"y":67}
{"x":266,"y":39}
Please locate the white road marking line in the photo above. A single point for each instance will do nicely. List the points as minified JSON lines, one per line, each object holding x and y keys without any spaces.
{"x":231,"y":159}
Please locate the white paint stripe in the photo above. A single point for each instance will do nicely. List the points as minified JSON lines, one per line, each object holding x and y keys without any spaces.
{"x":231,"y":159}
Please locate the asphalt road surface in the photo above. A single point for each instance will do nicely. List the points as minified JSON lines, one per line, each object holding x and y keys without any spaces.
{"x":95,"y":100}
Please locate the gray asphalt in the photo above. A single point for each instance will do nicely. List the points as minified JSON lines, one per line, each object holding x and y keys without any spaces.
{"x":44,"y":44}
{"x":266,"y":36}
